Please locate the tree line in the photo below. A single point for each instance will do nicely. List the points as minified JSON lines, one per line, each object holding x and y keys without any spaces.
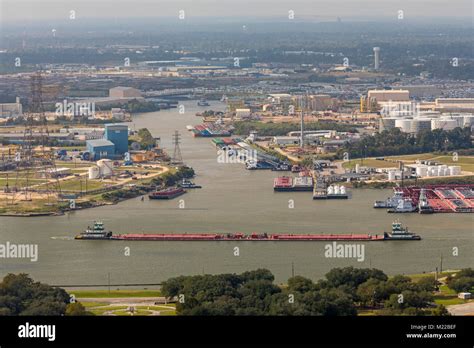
{"x":342,"y":292}
{"x":395,"y":142}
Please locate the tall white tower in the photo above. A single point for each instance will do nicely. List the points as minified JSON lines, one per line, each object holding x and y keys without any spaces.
{"x":302,"y":129}
{"x":376,"y":58}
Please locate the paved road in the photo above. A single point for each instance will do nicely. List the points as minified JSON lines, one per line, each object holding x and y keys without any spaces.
{"x":462,"y":309}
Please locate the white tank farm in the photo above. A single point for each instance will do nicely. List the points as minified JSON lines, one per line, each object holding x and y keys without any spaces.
{"x":445,"y":124}
{"x":106,"y":167}
{"x":421,"y":172}
{"x":94,"y":172}
{"x":454,"y":170}
{"x":391,"y":175}
{"x":404,"y":125}
{"x":468,"y":121}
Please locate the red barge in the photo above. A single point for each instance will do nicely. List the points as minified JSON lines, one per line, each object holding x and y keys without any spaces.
{"x":97,"y":232}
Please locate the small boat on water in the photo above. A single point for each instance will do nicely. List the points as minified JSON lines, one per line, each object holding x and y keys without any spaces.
{"x":185,"y":183}
{"x":203,"y":102}
{"x":168,"y":193}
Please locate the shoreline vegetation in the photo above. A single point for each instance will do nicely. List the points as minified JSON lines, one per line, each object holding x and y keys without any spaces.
{"x":344,"y":291}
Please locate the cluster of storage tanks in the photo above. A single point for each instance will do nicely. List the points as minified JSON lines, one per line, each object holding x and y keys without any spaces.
{"x":415,"y":125}
{"x":442,"y":170}
{"x":336,"y":190}
{"x":103,"y":169}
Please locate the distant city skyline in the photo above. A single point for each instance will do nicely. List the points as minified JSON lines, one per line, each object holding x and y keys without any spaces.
{"x":12,"y":11}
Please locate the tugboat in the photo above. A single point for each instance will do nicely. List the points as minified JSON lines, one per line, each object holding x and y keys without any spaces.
{"x":390,"y":202}
{"x":423,"y":205}
{"x":400,"y":233}
{"x":404,"y":206}
{"x":203,"y":102}
{"x":96,"y":232}
{"x":168,"y":193}
{"x":281,"y":167}
{"x":188,"y":184}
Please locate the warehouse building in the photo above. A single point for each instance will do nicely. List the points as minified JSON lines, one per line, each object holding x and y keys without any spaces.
{"x":100,"y":148}
{"x":117,"y":134}
{"x":124,"y":92}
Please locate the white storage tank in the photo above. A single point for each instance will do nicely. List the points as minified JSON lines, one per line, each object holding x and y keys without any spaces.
{"x":106,"y":167}
{"x":454,"y":170}
{"x":421,"y":172}
{"x":343,"y":190}
{"x":94,"y":172}
{"x":391,"y":175}
{"x":336,"y":190}
{"x":445,"y":124}
{"x":468,"y":121}
{"x":404,"y":125}
{"x":330,"y":190}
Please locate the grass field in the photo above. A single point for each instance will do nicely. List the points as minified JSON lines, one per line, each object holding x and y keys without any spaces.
{"x":78,"y":184}
{"x":106,"y":308}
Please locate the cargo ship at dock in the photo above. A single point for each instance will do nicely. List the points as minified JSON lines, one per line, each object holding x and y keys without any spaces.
{"x":287,"y":183}
{"x":431,"y":198}
{"x":168,"y":193}
{"x":98,"y":232}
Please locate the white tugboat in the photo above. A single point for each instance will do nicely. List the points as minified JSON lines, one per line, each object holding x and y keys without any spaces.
{"x":400,"y":233}
{"x":404,"y":206}
{"x":390,"y":202}
{"x":423,"y":204}
{"x":97,"y":231}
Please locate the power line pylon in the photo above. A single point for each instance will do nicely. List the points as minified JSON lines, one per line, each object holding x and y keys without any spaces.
{"x":177,"y":158}
{"x":35,"y":158}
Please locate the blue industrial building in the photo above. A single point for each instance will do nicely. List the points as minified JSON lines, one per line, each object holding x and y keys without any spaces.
{"x":117,"y":134}
{"x":101,"y":148}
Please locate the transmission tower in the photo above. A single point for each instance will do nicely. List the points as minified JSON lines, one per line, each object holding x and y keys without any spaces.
{"x":35,"y":159}
{"x":177,"y":158}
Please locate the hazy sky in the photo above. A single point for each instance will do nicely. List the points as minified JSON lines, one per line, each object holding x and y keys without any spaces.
{"x":32,"y":10}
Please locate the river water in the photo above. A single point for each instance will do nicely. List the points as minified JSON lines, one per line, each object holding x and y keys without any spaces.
{"x":232,"y":200}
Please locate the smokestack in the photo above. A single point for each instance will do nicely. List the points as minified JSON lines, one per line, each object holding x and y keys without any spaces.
{"x":302,"y":130}
{"x":376,"y":58}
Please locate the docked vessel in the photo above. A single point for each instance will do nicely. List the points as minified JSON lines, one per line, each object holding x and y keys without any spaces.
{"x":203,"y":102}
{"x":404,"y":206}
{"x":423,"y":205}
{"x":168,"y":193}
{"x":296,"y":168}
{"x":282,"y":167}
{"x":185,"y":183}
{"x":390,"y":202}
{"x":286,"y":183}
{"x":398,"y":233}
{"x":337,"y":192}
